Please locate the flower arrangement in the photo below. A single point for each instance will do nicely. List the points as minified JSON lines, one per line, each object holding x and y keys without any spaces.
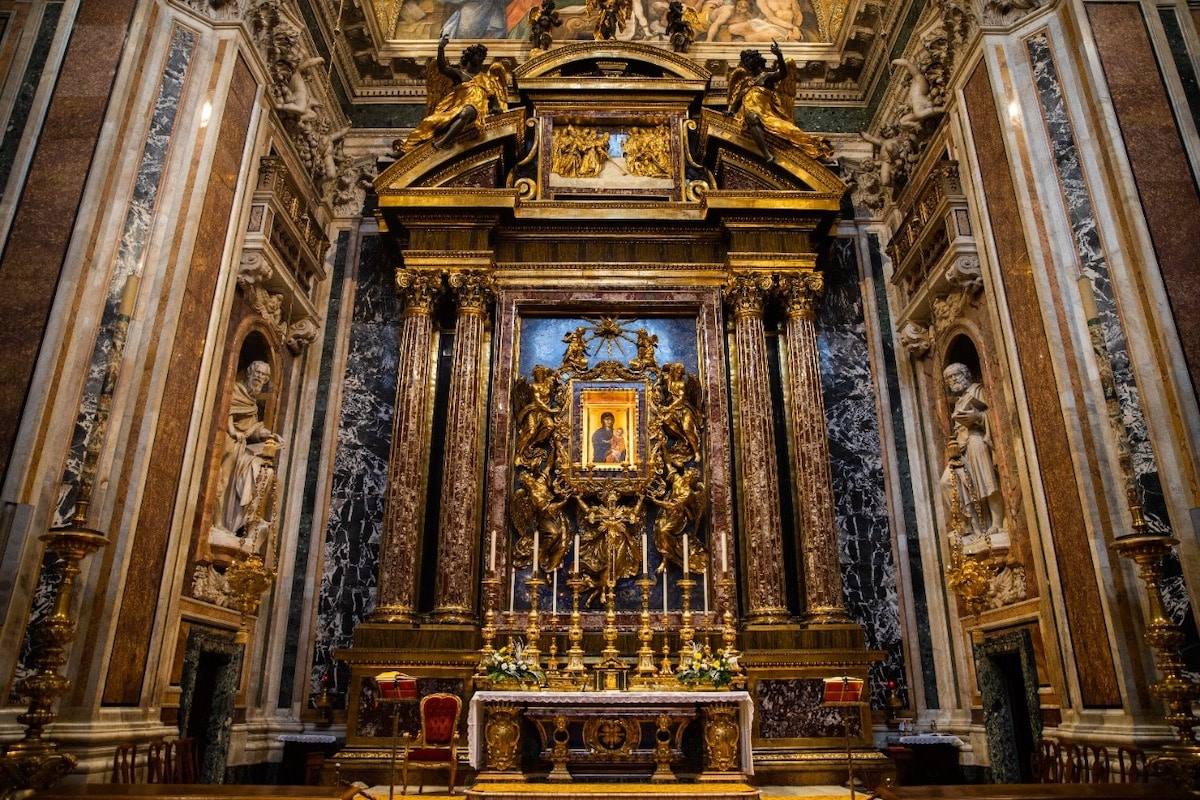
{"x":708,"y":667}
{"x":509,"y":664}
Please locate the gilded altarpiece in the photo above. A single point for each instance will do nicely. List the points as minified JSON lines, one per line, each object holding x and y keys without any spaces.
{"x":645,"y":264}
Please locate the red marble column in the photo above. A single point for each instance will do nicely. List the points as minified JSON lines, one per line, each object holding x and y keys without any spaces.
{"x":823,"y":598}
{"x":462,"y":477}
{"x":399,"y":560}
{"x":762,"y":537}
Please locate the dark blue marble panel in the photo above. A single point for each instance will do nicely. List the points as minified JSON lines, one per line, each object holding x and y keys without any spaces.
{"x":855,"y":454}
{"x":360,"y":469}
{"x":304,"y":538}
{"x":23,"y":103}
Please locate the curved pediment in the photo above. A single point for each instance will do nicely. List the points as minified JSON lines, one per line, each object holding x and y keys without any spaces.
{"x":611,"y":61}
{"x":736,"y":162}
{"x":480,"y":159}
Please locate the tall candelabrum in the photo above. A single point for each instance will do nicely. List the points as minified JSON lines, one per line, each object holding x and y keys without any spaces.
{"x":1178,"y":762}
{"x":533,"y":632}
{"x":35,"y":763}
{"x":645,"y":664}
{"x":575,"y":632}
{"x":687,"y":633}
{"x":491,"y":596}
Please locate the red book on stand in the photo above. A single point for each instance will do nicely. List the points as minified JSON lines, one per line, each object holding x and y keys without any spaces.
{"x":843,"y":690}
{"x":396,"y":686}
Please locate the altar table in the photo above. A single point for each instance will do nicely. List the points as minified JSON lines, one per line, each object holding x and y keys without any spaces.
{"x":612,"y":722}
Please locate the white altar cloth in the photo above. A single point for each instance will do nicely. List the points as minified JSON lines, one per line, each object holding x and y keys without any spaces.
{"x":553,"y":699}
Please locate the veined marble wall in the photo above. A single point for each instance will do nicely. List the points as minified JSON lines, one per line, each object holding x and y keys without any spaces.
{"x":364,"y":433}
{"x":855,"y":453}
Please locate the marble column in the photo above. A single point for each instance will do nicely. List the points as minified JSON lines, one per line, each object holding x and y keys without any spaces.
{"x":399,"y":562}
{"x":823,"y":598}
{"x":458,"y":525}
{"x":762,"y":537}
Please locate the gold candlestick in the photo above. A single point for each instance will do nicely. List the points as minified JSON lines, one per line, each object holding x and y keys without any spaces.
{"x":575,"y":633}
{"x":645,"y":666}
{"x":35,"y":763}
{"x":610,"y":654}
{"x":532,"y":633}
{"x":1179,"y":763}
{"x":728,"y":630}
{"x":491,"y":594}
{"x":687,"y":633}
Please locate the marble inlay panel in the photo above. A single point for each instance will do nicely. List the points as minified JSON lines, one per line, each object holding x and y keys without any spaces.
{"x":304,"y":539}
{"x":360,"y":467}
{"x":791,"y":709}
{"x":1081,"y":593}
{"x":1094,"y":264}
{"x":855,"y":454}
{"x":135,"y":232}
{"x":32,"y":76}
{"x":899,"y":445}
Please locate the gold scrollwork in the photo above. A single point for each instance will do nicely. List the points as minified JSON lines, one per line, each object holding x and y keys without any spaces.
{"x":720,"y":737}
{"x":502,"y":735}
{"x":611,"y":735}
{"x":602,"y":451}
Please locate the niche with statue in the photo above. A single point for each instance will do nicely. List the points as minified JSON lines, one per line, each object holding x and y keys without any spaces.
{"x":243,"y":477}
{"x":982,"y":570}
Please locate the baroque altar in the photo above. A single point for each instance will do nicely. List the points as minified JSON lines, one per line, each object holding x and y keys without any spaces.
{"x":613,"y":285}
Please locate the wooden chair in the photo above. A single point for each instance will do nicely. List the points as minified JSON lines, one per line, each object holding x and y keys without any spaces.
{"x":125,"y":763}
{"x":436,"y":745}
{"x":187,"y":760}
{"x":158,"y":762}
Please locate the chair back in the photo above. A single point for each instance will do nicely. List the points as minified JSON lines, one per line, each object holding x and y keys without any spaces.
{"x":439,"y":718}
{"x":125,"y":763}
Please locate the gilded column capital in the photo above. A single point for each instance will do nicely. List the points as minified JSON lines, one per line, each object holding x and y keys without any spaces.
{"x":418,"y":290}
{"x":746,"y":292}
{"x":800,"y":292}
{"x":475,"y":290}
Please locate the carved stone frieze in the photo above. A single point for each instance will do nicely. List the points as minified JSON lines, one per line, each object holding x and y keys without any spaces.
{"x":1004,"y":13}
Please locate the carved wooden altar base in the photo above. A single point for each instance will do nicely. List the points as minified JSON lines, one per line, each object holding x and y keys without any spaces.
{"x":611,"y":791}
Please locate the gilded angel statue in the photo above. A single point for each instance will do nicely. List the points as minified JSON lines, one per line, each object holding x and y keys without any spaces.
{"x":610,"y":16}
{"x":681,"y":507}
{"x":534,"y":402}
{"x":536,"y":511}
{"x":762,"y":99}
{"x":680,"y":412}
{"x":458,"y":96}
{"x":682,"y":22}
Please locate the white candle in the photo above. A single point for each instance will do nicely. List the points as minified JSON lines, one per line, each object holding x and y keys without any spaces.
{"x":533,"y":567}
{"x":724,"y":554}
{"x":554,"y":596}
{"x":492,"y":556}
{"x":686,"y":568}
{"x":645,"y":553}
{"x":577,"y":552}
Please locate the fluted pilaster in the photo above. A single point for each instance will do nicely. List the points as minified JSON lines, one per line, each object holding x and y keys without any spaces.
{"x":398,"y":549}
{"x":762,"y":534}
{"x":458,"y":525}
{"x":823,"y":598}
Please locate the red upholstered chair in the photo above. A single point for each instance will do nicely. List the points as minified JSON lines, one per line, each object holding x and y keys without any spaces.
{"x":436,"y":746}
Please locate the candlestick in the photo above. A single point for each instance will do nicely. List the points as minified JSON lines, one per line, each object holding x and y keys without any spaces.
{"x":645,"y":665}
{"x":686,"y":631}
{"x":532,"y":633}
{"x":575,"y":633}
{"x":491,"y":590}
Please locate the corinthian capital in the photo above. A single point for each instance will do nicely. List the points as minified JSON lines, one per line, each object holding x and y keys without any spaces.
{"x":418,"y":290}
{"x":800,"y":293}
{"x":746,"y":291}
{"x":474,"y":290}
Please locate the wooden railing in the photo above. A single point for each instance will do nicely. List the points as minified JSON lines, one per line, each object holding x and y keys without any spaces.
{"x":1069,"y":762}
